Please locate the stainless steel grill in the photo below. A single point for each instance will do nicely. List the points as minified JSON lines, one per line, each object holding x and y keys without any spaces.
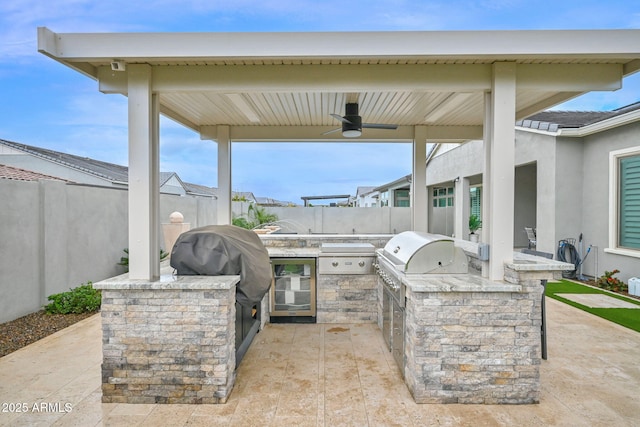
{"x":407,"y":254}
{"x":413,"y":252}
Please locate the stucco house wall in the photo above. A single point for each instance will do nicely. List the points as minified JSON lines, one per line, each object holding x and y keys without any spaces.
{"x":595,"y":199}
{"x":561,"y":188}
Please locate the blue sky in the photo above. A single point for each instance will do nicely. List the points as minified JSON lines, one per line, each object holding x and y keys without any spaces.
{"x":46,"y":104}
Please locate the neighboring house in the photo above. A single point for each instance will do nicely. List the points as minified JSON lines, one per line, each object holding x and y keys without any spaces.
{"x":199,"y":190}
{"x":365,"y":197}
{"x":268,"y":201}
{"x":328,"y":200}
{"x":395,"y":193}
{"x":78,"y":169}
{"x":17,"y":174}
{"x":83,"y":170}
{"x":244,"y":196}
{"x":577,"y":175}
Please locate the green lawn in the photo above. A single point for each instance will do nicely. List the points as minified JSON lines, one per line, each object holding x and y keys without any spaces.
{"x":627,"y":317}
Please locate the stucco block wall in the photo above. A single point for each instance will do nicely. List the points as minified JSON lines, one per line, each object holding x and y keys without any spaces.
{"x":335,"y":220}
{"x":20,"y":249}
{"x":57,"y":236}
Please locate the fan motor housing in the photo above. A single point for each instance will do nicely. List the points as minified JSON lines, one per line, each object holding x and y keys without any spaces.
{"x":354,"y":123}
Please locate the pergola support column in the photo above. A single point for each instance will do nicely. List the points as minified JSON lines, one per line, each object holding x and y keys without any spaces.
{"x":462,"y":209}
{"x":224,"y":175}
{"x":419,"y":218}
{"x":498,"y":205}
{"x":144,"y":167}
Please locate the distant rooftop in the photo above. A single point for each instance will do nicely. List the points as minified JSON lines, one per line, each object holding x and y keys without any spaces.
{"x":17,"y":174}
{"x":98,"y":168}
{"x":553,"y":120}
{"x":108,"y":171}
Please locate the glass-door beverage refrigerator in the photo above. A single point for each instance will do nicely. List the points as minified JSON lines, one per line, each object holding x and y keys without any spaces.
{"x":293,"y":291}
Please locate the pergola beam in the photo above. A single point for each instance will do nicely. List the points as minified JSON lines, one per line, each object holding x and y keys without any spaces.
{"x":315,"y":133}
{"x":365,"y":77}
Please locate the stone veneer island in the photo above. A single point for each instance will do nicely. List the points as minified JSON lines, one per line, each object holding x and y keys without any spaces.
{"x":168,"y":341}
{"x":467,"y":340}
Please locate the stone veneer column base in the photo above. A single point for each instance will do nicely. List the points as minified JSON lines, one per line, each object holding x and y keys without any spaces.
{"x":170,"y":341}
{"x":475,"y":341}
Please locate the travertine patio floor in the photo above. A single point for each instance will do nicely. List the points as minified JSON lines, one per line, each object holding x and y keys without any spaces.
{"x":331,"y":375}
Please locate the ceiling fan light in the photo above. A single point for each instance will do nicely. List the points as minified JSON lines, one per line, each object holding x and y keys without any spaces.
{"x":351,"y":133}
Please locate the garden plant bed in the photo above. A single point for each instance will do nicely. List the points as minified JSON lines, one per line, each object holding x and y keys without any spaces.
{"x":28,"y":329}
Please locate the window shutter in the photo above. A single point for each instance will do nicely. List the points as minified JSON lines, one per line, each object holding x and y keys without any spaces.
{"x":476,"y":202}
{"x":629,"y":202}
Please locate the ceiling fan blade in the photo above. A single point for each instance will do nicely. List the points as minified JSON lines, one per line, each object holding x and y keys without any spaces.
{"x":339,"y":117}
{"x":379,"y":126}
{"x":331,"y":131}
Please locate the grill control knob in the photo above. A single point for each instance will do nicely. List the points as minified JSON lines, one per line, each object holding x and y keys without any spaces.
{"x":361,"y":263}
{"x":334,"y":263}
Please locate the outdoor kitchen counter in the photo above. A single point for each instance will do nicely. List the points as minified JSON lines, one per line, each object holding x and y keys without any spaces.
{"x":456,"y":283}
{"x":170,"y":340}
{"x":521,"y":262}
{"x":168,"y":281}
{"x":526,"y":262}
{"x":285,"y":252}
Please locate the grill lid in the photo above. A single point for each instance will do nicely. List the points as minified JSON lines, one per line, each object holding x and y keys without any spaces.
{"x":418,"y":252}
{"x":225,"y":250}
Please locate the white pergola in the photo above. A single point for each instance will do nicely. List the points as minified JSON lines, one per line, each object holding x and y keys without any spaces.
{"x":437,"y":86}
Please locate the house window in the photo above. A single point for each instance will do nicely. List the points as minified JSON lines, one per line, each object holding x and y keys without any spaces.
{"x":384,"y":199}
{"x":443,"y":197}
{"x":624,"y":198}
{"x":402,"y":198}
{"x":475,"y":204}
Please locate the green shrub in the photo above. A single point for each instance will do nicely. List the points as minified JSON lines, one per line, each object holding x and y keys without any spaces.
{"x":77,"y":300}
{"x":242,"y":222}
{"x":256,"y":216}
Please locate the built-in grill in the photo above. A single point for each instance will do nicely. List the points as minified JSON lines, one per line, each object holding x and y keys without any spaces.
{"x":413,"y":252}
{"x":407,"y":254}
{"x":229,"y":250}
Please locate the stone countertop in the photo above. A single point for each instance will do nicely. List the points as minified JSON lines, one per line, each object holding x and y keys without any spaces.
{"x":520,"y":261}
{"x":526,"y":262}
{"x":168,"y":281}
{"x":278,"y":252}
{"x":456,"y":283}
